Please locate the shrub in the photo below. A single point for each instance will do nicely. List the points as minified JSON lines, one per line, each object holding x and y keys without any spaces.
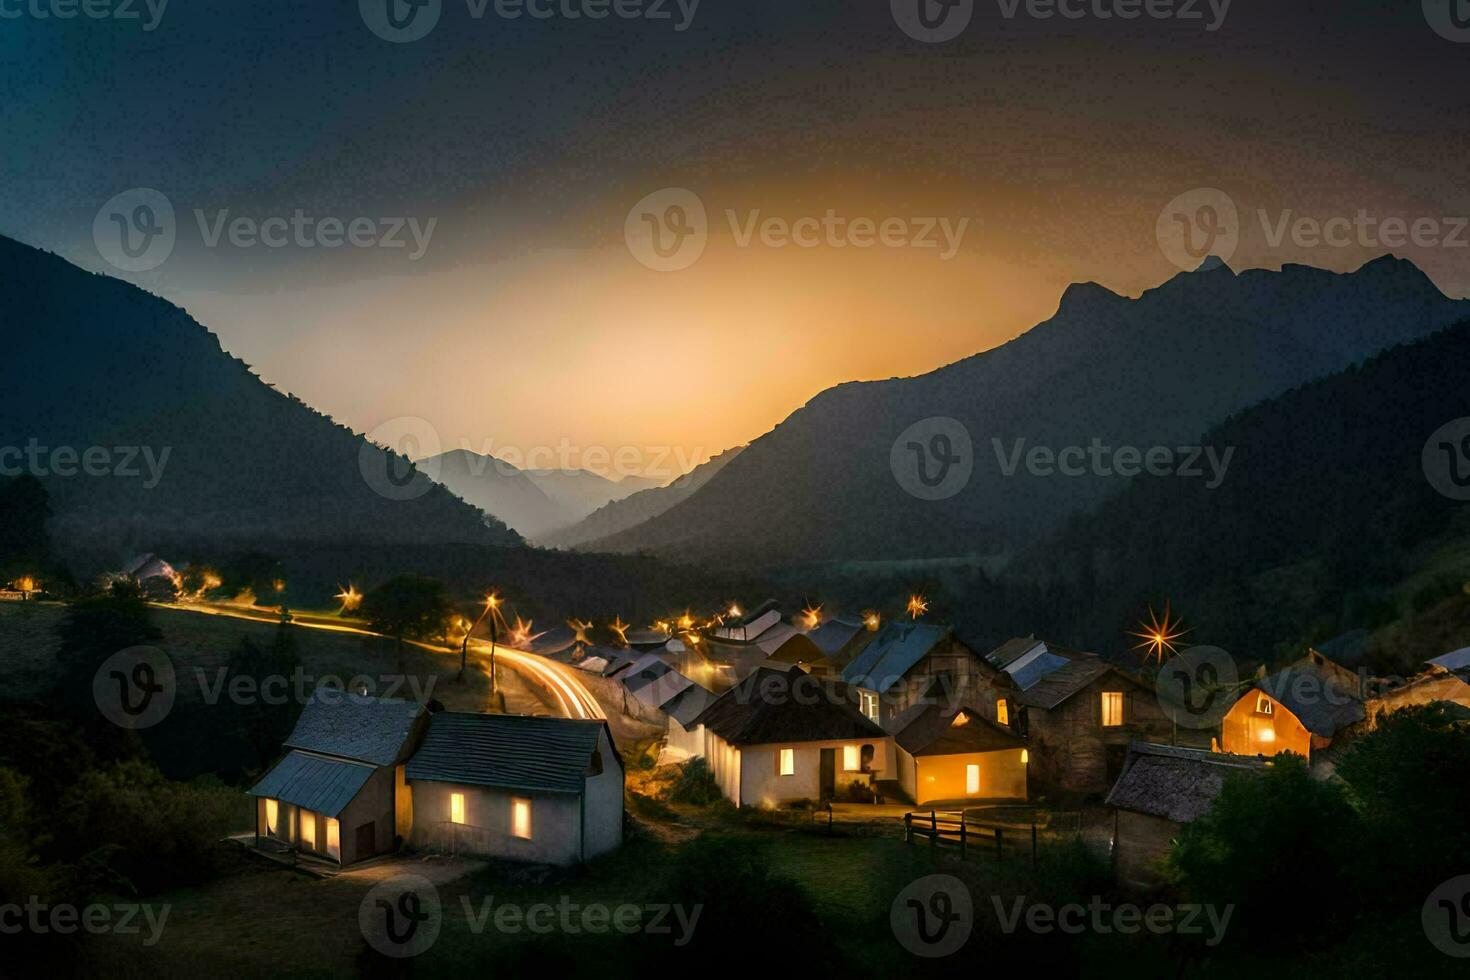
{"x":695,"y":785}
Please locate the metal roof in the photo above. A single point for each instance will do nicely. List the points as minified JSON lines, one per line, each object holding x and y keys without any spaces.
{"x":834,"y":634}
{"x":1036,"y":668}
{"x":663,"y":689}
{"x":892,"y":654}
{"x":688,"y":704}
{"x":1458,"y":660}
{"x":374,"y":730}
{"x":325,"y":786}
{"x":508,"y":751}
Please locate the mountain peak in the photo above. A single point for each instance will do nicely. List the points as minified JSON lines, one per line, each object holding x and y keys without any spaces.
{"x":1211,"y":263}
{"x":1081,"y":296}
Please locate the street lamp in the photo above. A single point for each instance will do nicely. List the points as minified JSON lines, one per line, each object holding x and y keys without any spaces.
{"x":492,"y":602}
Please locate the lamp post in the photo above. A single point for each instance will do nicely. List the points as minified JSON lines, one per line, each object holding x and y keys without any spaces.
{"x":492,"y":602}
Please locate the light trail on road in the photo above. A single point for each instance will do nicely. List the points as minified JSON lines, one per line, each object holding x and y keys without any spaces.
{"x":572,"y":696}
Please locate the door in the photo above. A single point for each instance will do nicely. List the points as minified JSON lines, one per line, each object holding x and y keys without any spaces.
{"x":367,"y":838}
{"x":829,"y":773}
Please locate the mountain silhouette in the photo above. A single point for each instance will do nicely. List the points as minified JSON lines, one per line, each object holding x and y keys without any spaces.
{"x":96,"y":363}
{"x":1157,"y":370}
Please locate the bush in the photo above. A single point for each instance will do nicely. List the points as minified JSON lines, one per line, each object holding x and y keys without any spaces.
{"x":695,"y":785}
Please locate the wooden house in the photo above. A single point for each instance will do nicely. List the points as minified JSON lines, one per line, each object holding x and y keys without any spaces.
{"x":548,"y":790}
{"x":1160,"y":789}
{"x":339,"y":793}
{"x":1302,"y":708}
{"x":906,"y":663}
{"x":1077,"y":712}
{"x":944,"y":755}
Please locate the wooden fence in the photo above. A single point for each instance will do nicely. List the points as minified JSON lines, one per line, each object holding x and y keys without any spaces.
{"x":990,"y":830}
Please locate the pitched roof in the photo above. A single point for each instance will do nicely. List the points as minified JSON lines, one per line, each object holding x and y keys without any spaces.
{"x":310,"y":781}
{"x":354,"y":726}
{"x":892,"y":654}
{"x":1318,"y":695}
{"x":1067,"y":680}
{"x":1036,"y":668}
{"x":1174,"y":783}
{"x":1453,"y":662}
{"x":688,"y":704}
{"x":507,"y":751}
{"x":773,"y":705}
{"x":656,"y":693}
{"x":1012,"y":650}
{"x":929,"y":729}
{"x":834,"y":635}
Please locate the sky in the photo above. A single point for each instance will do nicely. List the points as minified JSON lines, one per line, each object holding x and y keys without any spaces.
{"x":875,"y":203}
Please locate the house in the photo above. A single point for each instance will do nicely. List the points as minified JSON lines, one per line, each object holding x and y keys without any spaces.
{"x":339,"y":793}
{"x":1160,"y":789}
{"x":1300,"y":709}
{"x":948,"y":755}
{"x":1445,"y":678}
{"x":548,"y":790}
{"x":840,"y":640}
{"x":904,"y":662}
{"x":781,"y":736}
{"x":686,"y":737}
{"x":1077,"y":711}
{"x":748,"y":627}
{"x":785,"y":644}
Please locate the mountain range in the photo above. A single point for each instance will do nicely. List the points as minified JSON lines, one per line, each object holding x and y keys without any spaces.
{"x":534,"y":503}
{"x":1150,"y":372}
{"x":184,"y":439}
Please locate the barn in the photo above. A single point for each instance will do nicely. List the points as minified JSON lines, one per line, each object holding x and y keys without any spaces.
{"x":1300,"y":709}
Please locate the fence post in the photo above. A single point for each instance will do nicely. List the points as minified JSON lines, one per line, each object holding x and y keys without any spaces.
{"x":962,"y":833}
{"x":933,"y":828}
{"x":908,"y":828}
{"x":999,"y":844}
{"x":1033,"y":845}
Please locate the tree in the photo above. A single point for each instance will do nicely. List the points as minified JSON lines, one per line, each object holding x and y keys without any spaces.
{"x":266,"y":722}
{"x":408,"y":607}
{"x":95,"y":628}
{"x":1277,"y":845}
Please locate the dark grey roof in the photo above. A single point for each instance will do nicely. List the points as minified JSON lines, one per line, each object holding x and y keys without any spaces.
{"x":835,"y":634}
{"x":508,"y":751}
{"x":928,"y":729}
{"x":310,"y":781}
{"x":1034,"y":670}
{"x":1065,"y":681}
{"x":892,"y":654}
{"x":373,"y":730}
{"x":773,"y":705}
{"x":1320,"y":696}
{"x":1011,"y":650}
{"x":1177,"y":784}
{"x":688,"y":704}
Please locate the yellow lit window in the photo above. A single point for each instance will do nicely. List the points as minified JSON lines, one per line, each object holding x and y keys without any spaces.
{"x":1112,"y":709}
{"x":850,"y":758}
{"x":788,"y":762}
{"x":1025,"y":757}
{"x":334,"y":838}
{"x":272,"y":813}
{"x":456,"y":808}
{"x":1264,"y":706}
{"x":1002,"y":712}
{"x":972,"y":779}
{"x":520,"y":818}
{"x":308,"y":828}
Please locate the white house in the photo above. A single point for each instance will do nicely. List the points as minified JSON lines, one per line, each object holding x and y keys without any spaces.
{"x":548,"y":790}
{"x":782,"y":736}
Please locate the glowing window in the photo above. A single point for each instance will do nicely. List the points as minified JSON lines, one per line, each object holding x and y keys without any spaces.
{"x":1264,"y":705}
{"x":1002,"y":712}
{"x":972,"y":779}
{"x":334,"y":838}
{"x":456,"y":808}
{"x":850,"y":758}
{"x":868,"y":702}
{"x":308,"y":828}
{"x":1025,"y":757}
{"x":520,"y":818}
{"x":1112,"y":709}
{"x":272,"y":814}
{"x":788,"y":762}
